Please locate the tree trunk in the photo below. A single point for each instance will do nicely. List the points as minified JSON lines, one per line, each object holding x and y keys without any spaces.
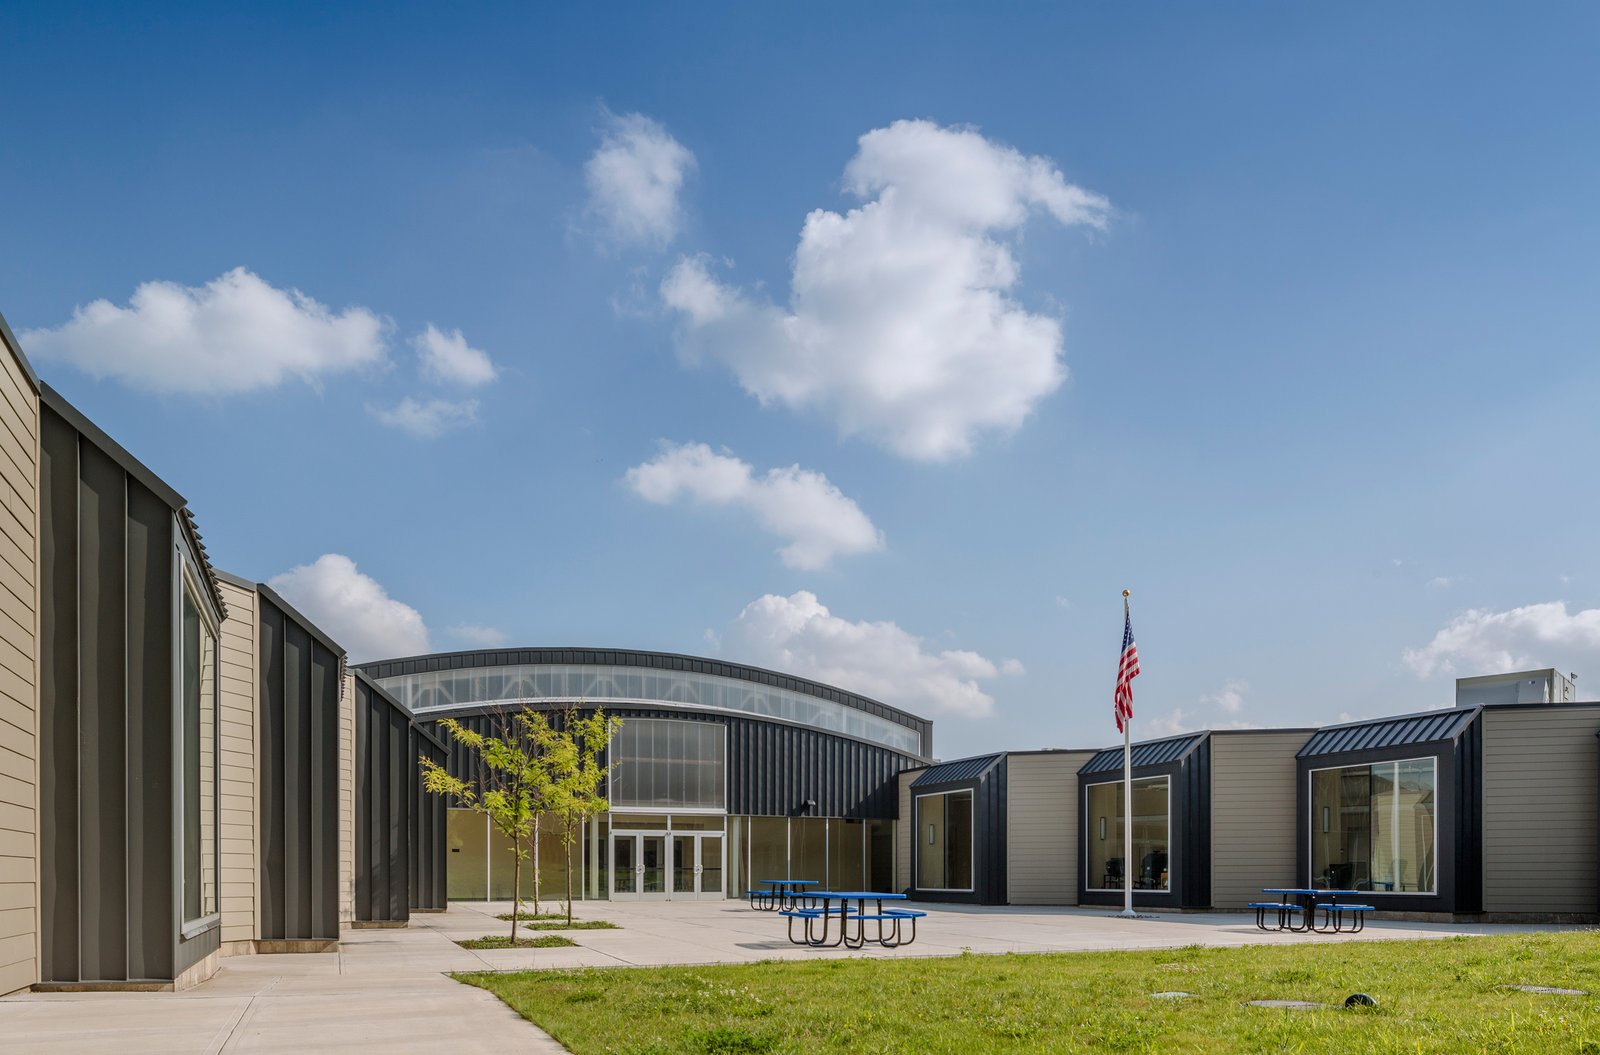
{"x":516,"y":885}
{"x":535,"y":864}
{"x":567,"y":846}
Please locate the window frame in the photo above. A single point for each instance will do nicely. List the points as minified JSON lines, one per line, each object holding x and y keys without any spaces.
{"x":972,"y":841}
{"x":187,"y":581}
{"x":1172,"y":858}
{"x":1312,"y":819}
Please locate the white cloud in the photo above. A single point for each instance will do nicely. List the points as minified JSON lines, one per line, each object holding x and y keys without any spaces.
{"x":1230,"y":697}
{"x":447,"y":358}
{"x":478,"y":636}
{"x":1483,"y":642}
{"x":237,"y":333}
{"x":901,"y":323}
{"x":428,"y":419}
{"x":634,"y":179}
{"x":796,"y":504}
{"x":1441,"y":582}
{"x":353,"y":609}
{"x":1063,"y":602}
{"x":1172,"y":723}
{"x":798,"y":635}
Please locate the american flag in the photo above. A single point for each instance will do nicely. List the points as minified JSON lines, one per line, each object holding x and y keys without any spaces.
{"x":1127,"y":670}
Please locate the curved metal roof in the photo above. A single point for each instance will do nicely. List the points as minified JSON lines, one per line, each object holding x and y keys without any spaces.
{"x":1426,"y":728}
{"x":498,"y":657}
{"x":1149,"y":753}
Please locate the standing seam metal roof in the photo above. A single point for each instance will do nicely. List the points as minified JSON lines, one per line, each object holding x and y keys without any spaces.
{"x":960,"y":769}
{"x":1390,"y":732}
{"x":1149,"y":753}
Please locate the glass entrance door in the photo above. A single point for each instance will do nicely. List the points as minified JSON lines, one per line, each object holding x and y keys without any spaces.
{"x":709,"y":873}
{"x":638,"y":865}
{"x":625,"y":867}
{"x":697,"y":865}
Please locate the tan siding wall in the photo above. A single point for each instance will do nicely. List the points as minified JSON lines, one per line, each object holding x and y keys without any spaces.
{"x":240,"y":782}
{"x":347,"y":800}
{"x":1252,"y":814}
{"x":902,"y":832}
{"x":19,"y":697}
{"x":1042,"y":827}
{"x":1539,"y":809}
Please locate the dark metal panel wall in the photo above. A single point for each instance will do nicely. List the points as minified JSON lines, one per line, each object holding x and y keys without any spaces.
{"x":107,"y":718}
{"x":773,"y":769}
{"x":431,"y":816}
{"x":1469,"y":818}
{"x":299,"y":716}
{"x":384,"y":771}
{"x":1193,"y":809}
{"x":58,"y":696}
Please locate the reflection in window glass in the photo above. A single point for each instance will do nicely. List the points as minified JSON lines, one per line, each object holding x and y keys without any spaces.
{"x":1372,"y":827}
{"x":943,"y":841}
{"x":1107,"y":844}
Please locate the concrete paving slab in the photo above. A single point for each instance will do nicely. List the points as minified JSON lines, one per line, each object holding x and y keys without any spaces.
{"x":391,"y":990}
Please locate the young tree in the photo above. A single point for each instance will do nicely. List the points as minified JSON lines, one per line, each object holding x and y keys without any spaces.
{"x":576,"y":775}
{"x":514,"y":789}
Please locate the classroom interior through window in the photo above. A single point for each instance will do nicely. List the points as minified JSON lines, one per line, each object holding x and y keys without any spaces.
{"x":1151,"y":835}
{"x":1372,"y":827}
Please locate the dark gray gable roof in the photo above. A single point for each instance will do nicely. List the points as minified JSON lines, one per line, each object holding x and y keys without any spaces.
{"x":960,"y":769}
{"x":1427,"y":728}
{"x":1148,"y":753}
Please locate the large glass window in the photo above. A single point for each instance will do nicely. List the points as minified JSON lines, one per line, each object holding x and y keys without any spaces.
{"x":1106,"y":860}
{"x":530,"y":682}
{"x":198,"y":724}
{"x":1372,"y":827}
{"x":669,"y":764}
{"x":944,"y":841}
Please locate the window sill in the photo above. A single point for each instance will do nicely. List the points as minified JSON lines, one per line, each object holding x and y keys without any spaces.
{"x":200,"y":926}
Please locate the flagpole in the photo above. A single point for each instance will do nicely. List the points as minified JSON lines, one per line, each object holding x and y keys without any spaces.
{"x":1127,"y":799}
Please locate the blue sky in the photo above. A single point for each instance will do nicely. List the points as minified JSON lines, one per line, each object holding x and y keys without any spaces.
{"x":1282,"y":317}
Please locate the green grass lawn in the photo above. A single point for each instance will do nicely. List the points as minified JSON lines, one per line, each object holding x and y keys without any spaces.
{"x":1434,"y":996}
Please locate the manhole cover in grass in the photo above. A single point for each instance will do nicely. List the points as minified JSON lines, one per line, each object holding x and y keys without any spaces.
{"x":1287,"y":1005}
{"x":1170,"y":996}
{"x":1548,"y":990}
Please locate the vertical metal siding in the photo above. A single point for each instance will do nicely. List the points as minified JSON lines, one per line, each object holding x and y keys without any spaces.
{"x":107,"y":723}
{"x":772,"y":768}
{"x":429,"y":848}
{"x":298,"y":727}
{"x":384,"y":774}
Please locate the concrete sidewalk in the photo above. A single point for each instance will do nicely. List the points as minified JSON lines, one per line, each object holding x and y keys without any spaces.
{"x":389,"y":990}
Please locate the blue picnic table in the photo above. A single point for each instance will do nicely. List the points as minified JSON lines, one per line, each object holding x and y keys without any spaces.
{"x":779,"y":893}
{"x":819,"y":920}
{"x":1310,"y":899}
